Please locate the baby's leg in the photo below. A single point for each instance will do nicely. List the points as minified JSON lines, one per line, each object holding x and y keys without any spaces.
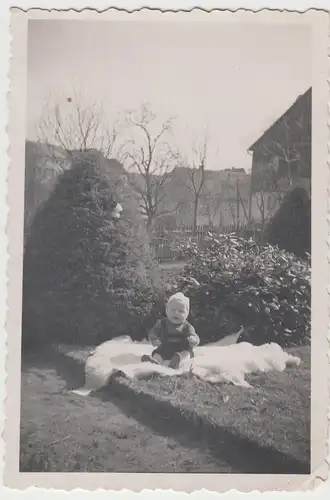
{"x":156,"y":356}
{"x":179,"y":358}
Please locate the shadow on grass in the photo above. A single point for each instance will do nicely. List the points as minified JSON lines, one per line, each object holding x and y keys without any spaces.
{"x":65,"y":367}
{"x":188,"y":428}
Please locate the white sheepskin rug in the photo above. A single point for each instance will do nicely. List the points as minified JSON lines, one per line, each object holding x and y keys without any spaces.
{"x":212,"y":363}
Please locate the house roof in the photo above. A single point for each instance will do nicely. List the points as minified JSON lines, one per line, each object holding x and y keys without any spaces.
{"x":286,"y":113}
{"x":224,"y":181}
{"x":216,"y":181}
{"x":215,"y":174}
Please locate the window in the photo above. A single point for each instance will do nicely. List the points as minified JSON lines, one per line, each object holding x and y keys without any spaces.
{"x":204,"y":209}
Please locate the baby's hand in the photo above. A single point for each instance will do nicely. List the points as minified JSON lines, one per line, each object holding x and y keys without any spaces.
{"x":192,"y":340}
{"x":155,"y":342}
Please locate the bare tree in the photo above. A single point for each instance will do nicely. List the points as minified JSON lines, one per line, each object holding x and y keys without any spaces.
{"x":213,"y":199}
{"x":195,"y":178}
{"x":73,"y":124}
{"x":150,"y":159}
{"x":266,"y":205}
{"x":226,"y":194}
{"x":213,"y":202}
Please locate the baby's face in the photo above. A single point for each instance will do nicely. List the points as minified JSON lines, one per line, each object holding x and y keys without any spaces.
{"x":176,"y":313}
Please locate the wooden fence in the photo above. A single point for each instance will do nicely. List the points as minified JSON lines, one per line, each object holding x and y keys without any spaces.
{"x":164,"y":241}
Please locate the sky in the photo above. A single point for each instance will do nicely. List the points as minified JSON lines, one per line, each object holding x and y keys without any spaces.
{"x":234,"y":80}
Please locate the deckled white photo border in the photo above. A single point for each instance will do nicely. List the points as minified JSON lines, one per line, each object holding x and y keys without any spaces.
{"x":320,"y":397}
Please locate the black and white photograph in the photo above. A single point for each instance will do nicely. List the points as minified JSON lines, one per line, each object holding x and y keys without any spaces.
{"x":167,"y":247}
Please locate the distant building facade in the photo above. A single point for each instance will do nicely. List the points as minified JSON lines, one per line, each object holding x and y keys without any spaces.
{"x":223,"y":199}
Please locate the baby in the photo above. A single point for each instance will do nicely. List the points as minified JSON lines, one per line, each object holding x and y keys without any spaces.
{"x":173,"y":337}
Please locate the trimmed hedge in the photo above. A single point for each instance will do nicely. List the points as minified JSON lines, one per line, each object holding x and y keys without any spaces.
{"x":290,"y":227}
{"x":87,"y":276}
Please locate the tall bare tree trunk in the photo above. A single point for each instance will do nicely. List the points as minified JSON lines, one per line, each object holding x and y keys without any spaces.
{"x":237,"y":207}
{"x":195,"y":217}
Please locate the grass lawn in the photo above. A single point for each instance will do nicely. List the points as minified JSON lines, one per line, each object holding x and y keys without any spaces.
{"x":275,"y":413}
{"x":61,"y":432}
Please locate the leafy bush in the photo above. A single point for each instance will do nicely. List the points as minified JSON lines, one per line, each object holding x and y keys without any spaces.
{"x":290,"y":228}
{"x":236,"y":282}
{"x":87,"y":276}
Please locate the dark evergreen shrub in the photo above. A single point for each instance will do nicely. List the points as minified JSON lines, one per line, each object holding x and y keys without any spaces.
{"x":290,"y":228}
{"x":87,"y":276}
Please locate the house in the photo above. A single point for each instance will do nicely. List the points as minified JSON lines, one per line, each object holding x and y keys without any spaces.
{"x":43,"y":164}
{"x":281,"y":159}
{"x":223,"y":199}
